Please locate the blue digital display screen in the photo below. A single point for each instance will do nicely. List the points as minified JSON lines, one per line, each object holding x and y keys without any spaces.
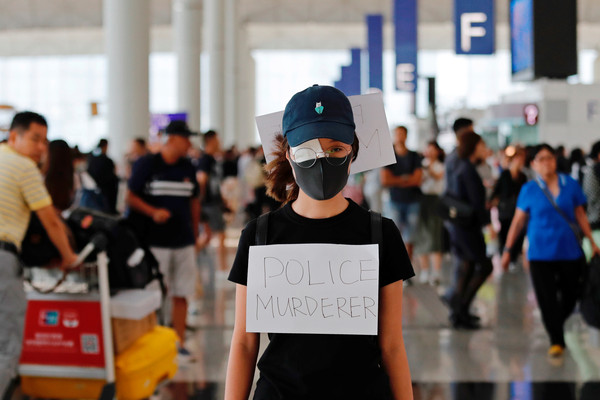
{"x":521,"y":35}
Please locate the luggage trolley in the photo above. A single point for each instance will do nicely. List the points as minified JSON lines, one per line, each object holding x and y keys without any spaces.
{"x":68,"y":349}
{"x":67,"y":344}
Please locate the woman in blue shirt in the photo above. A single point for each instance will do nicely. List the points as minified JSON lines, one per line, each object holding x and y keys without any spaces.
{"x":556,"y":258}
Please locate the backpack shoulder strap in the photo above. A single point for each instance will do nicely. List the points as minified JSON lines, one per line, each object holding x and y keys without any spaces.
{"x":262,"y":227}
{"x":376,"y":230}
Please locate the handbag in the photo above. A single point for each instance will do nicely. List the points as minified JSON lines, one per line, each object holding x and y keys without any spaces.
{"x":455,"y":211}
{"x":131,"y":263}
{"x":37,"y":250}
{"x":589,"y":304}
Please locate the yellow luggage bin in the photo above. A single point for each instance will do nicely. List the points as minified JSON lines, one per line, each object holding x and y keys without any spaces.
{"x":61,"y":388}
{"x":147,"y":362}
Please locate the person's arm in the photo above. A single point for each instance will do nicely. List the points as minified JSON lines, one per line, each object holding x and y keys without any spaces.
{"x":159,"y":215}
{"x":204,"y":238}
{"x":391,"y":341}
{"x":436,"y":175}
{"x":202,"y":179}
{"x":243,"y":353}
{"x":57,"y":234}
{"x":495,"y":197}
{"x":584,"y":224}
{"x":388,"y":179}
{"x":414,"y":179}
{"x":516,"y":227}
{"x":195,"y":211}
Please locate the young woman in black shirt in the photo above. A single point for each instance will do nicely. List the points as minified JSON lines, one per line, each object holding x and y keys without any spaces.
{"x":505,"y":196}
{"x":321,"y":366}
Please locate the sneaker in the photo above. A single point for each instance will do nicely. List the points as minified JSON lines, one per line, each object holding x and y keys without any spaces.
{"x":434,"y":279}
{"x":556,"y":351}
{"x":184,"y":356}
{"x":424,"y":277}
{"x":461,"y":322}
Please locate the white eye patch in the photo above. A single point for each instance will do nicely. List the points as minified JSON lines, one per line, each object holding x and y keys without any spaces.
{"x":301,"y":156}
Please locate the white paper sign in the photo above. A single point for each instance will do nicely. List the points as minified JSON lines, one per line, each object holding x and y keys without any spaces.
{"x":372,"y":129}
{"x":313,"y":288}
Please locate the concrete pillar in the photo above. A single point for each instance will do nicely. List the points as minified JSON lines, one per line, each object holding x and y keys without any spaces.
{"x":127,"y":33}
{"x":231,"y":69}
{"x":245,"y":100}
{"x":187,"y":45}
{"x":214,"y":35}
{"x":597,"y":69}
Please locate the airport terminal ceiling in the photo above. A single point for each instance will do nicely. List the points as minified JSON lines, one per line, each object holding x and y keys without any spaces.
{"x":270,"y":24}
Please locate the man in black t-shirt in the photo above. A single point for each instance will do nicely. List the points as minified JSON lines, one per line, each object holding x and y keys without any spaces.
{"x":163,"y":193}
{"x":404,"y":180}
{"x":210,"y":177}
{"x":102,"y":169}
{"x":460,"y":126}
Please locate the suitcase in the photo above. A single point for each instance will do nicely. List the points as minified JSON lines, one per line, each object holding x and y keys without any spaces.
{"x":61,"y":388}
{"x":146,"y":363}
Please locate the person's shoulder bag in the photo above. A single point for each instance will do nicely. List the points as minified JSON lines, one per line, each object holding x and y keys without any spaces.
{"x":455,"y":211}
{"x":573,"y":225}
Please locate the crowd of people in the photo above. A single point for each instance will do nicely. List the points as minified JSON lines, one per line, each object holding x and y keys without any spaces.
{"x":161,"y":192}
{"x":532,"y":191}
{"x":179,"y":198}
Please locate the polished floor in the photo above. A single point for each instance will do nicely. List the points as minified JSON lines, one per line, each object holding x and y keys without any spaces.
{"x":505,"y":360}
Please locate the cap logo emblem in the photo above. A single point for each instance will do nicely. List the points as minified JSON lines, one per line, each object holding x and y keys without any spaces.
{"x":319,"y":108}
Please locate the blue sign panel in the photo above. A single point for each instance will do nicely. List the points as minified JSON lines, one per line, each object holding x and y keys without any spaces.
{"x":354,"y":73}
{"x":474,"y":26}
{"x":521,"y":36}
{"x":375,"y":43}
{"x":405,"y":35}
{"x":349,"y":82}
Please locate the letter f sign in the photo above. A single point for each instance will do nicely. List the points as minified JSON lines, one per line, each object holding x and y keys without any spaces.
{"x":468,"y":31}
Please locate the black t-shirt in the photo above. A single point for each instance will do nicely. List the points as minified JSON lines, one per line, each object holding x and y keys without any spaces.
{"x":169,"y":186}
{"x":102,"y":169}
{"x":213,"y":170}
{"x":310,"y":366}
{"x":405,"y":165}
{"x":507,"y":191}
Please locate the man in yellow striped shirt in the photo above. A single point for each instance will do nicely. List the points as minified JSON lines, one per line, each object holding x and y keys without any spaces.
{"x":22,"y":191}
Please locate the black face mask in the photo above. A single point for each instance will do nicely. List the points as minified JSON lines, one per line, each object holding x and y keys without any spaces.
{"x":322,"y":181}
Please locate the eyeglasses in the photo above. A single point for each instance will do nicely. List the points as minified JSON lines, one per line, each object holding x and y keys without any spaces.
{"x":543,"y":158}
{"x":306,"y":158}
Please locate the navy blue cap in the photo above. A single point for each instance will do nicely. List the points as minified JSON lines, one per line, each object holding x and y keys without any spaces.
{"x":179,"y":127}
{"x":318,"y":112}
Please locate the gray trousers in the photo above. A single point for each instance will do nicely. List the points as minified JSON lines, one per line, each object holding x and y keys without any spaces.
{"x":12,"y":315}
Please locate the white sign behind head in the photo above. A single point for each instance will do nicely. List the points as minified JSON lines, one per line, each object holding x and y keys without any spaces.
{"x":313,"y":288}
{"x":372,"y":129}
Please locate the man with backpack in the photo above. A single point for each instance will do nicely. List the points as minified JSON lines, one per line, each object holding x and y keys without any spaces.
{"x":163,"y":198}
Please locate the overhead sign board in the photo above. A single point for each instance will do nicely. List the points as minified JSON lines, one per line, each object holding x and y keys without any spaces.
{"x":405,"y":35}
{"x":474,"y":27}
